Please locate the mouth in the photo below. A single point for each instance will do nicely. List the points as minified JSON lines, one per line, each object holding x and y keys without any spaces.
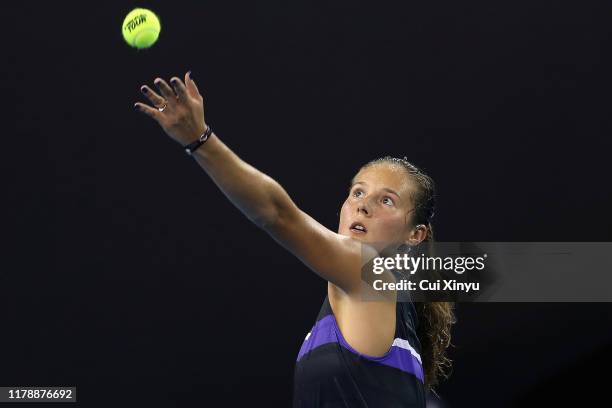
{"x":358,"y":228}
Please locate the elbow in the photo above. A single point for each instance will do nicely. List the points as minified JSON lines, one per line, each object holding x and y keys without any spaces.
{"x":277,"y":218}
{"x":266,"y":219}
{"x":279,"y":210}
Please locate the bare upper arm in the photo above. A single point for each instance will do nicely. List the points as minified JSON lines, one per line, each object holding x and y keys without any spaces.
{"x":336,"y":258}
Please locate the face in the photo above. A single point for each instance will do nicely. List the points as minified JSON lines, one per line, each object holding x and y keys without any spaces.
{"x":378,"y":208}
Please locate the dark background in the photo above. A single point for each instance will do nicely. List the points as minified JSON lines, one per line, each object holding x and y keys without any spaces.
{"x":129,"y":275}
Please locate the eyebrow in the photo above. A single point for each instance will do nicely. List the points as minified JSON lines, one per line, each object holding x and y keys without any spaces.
{"x":384,"y":188}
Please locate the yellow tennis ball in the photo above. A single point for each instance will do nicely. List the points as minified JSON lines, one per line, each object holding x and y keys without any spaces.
{"x":141,"y":28}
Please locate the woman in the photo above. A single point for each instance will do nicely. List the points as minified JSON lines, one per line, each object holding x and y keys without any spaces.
{"x":358,"y":353}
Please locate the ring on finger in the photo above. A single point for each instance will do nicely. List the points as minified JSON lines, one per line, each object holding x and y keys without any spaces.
{"x":163,"y":107}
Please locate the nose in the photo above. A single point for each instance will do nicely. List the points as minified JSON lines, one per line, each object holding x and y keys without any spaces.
{"x":363,"y":208}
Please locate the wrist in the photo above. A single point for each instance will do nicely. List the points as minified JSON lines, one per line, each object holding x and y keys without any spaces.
{"x":191,"y":148}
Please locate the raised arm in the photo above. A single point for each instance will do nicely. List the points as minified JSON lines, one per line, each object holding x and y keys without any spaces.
{"x":334,"y":257}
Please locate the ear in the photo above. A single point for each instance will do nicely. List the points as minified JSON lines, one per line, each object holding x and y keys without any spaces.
{"x":417,"y":235}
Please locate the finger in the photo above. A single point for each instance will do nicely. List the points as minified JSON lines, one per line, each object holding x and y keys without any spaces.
{"x":146,"y":109}
{"x":155,"y":99}
{"x":179,"y":87}
{"x":191,"y":85}
{"x":165,"y":90}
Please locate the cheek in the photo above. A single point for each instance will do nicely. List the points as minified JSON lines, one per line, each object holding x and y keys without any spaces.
{"x":344,"y":211}
{"x":391,"y":225}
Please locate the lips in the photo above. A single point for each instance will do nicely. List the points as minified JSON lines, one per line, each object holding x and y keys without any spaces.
{"x":358,"y":228}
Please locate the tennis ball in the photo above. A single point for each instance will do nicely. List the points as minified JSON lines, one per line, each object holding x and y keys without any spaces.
{"x":141,"y":28}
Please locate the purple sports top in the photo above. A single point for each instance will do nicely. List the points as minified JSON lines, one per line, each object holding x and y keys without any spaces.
{"x":329,"y":373}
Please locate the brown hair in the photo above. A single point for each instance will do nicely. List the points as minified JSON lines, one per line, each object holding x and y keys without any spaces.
{"x":435,"y":318}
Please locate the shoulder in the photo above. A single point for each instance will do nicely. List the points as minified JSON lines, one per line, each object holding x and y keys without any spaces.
{"x":368,"y":326}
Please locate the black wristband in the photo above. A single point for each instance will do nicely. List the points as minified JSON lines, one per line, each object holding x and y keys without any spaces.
{"x":192,"y":147}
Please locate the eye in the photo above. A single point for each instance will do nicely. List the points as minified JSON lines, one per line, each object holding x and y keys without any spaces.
{"x":357,"y":192}
{"x":388,"y":201}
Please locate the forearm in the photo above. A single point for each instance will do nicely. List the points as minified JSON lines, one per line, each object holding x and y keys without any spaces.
{"x":260,"y":198}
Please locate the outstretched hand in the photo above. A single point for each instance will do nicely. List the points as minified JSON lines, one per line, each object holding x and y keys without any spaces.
{"x":179,"y":109}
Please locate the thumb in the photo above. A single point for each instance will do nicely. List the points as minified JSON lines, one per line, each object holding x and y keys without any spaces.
{"x":192,"y":88}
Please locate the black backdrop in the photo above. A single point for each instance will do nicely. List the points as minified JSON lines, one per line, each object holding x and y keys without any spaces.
{"x":128,"y":274}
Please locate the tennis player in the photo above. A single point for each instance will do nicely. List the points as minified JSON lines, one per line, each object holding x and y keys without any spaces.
{"x":358,"y":353}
